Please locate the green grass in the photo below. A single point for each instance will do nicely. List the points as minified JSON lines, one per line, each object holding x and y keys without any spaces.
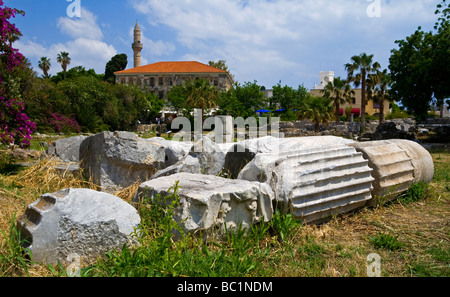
{"x":167,"y":251}
{"x":416,"y":192}
{"x":386,"y":241}
{"x":410,"y":234}
{"x":15,"y":258}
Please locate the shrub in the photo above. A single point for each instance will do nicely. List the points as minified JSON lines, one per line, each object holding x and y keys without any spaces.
{"x":386,"y":241}
{"x":62,"y":123}
{"x":15,"y":126}
{"x":416,"y":192}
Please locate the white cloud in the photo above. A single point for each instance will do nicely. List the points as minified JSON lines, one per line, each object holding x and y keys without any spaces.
{"x":30,"y":48}
{"x":263,"y":38}
{"x":84,"y":27}
{"x":86,"y":47}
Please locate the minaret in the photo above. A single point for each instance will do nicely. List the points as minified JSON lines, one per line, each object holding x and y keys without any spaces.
{"x":137,"y":45}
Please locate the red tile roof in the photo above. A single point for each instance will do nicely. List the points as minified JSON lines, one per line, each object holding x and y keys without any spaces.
{"x":173,"y":67}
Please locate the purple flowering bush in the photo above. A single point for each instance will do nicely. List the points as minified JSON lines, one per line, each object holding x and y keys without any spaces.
{"x":62,"y":123}
{"x":15,"y":126}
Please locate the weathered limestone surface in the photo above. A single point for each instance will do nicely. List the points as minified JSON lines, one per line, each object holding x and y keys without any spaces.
{"x":66,"y":149}
{"x":204,"y":157}
{"x":314,"y":181}
{"x":175,"y":150}
{"x":117,"y":160}
{"x":208,"y":202}
{"x":421,"y":159}
{"x":397,"y":164}
{"x":241,"y":153}
{"x":80,"y":221}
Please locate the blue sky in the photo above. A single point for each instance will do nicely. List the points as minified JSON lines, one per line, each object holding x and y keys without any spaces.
{"x":264,"y":40}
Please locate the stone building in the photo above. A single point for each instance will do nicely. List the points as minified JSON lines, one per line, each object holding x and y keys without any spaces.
{"x":160,"y":77}
{"x":354,"y":107}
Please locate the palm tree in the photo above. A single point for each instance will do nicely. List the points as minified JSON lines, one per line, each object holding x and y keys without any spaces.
{"x":64,"y":60}
{"x":340,"y":92}
{"x":365,"y":65}
{"x":45,"y":65}
{"x":200,"y":94}
{"x":317,"y":109}
{"x":379,"y":91}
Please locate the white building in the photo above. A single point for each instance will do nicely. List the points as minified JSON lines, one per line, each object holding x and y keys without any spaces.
{"x":325,"y":77}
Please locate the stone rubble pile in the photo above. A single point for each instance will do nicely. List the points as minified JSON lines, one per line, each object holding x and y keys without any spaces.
{"x":221,"y":185}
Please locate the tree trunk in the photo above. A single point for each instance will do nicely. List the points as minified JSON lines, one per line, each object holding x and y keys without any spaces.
{"x":337,"y":110}
{"x":381,"y":110}
{"x":363,"y":102}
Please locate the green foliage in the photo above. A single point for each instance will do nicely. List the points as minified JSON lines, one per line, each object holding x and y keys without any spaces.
{"x":317,"y":109}
{"x":165,"y":250}
{"x":417,"y":191}
{"x":74,"y":72}
{"x":340,"y":92}
{"x":313,"y":255}
{"x":420,"y":66}
{"x":93,"y":103}
{"x":288,"y":98}
{"x":64,"y":59}
{"x":283,"y":225}
{"x":358,"y":71}
{"x":7,"y":164}
{"x":117,"y":63}
{"x":386,"y":241}
{"x":242,"y":100}
{"x":13,"y":260}
{"x":410,"y":65}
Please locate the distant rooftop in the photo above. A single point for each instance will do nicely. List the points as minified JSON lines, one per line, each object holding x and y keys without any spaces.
{"x":173,"y":67}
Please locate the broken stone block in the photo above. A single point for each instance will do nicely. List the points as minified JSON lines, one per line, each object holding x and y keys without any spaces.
{"x":117,"y":160}
{"x":76,"y":221}
{"x":175,"y":150}
{"x":314,"y":182}
{"x":66,"y":149}
{"x":209,"y":202}
{"x":204,"y":157}
{"x":397,"y":164}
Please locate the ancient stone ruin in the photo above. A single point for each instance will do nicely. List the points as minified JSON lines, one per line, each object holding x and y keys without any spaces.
{"x":221,"y":185}
{"x":209,"y":202}
{"x":76,"y":221}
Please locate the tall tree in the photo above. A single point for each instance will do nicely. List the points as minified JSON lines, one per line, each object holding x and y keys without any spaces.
{"x":287,"y":97}
{"x":379,"y":92}
{"x":200,"y":94}
{"x":410,"y":66}
{"x":317,"y":109}
{"x":45,"y":65}
{"x":117,"y":63}
{"x":358,"y":70}
{"x":420,"y":66}
{"x":340,"y":92}
{"x":441,"y":56}
{"x":64,"y":60}
{"x":241,"y":100}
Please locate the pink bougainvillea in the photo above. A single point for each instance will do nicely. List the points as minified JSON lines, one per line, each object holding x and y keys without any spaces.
{"x":15,"y":126}
{"x":63,"y":123}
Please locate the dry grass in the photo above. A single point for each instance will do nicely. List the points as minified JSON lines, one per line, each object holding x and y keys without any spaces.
{"x":336,"y":248}
{"x":422,"y":226}
{"x":20,"y":190}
